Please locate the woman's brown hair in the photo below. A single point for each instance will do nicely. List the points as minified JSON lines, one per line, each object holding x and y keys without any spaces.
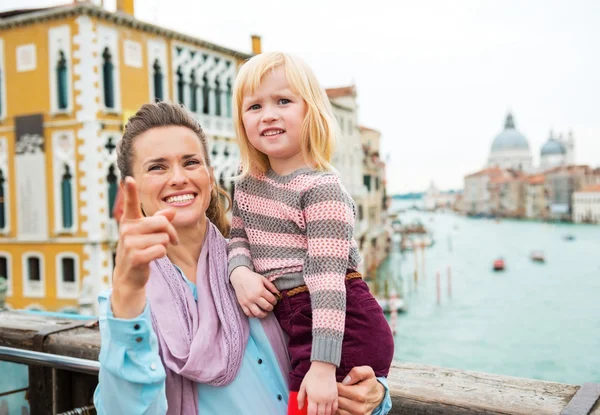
{"x":165,"y":114}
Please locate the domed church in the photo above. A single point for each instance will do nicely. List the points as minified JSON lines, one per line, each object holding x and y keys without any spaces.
{"x":557,"y":151}
{"x":510,"y":149}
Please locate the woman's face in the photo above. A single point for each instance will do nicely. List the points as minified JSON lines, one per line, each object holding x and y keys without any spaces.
{"x":170,"y":170}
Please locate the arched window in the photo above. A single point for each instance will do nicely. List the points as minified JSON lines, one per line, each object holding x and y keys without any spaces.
{"x":205,"y":94}
{"x":157,"y":78}
{"x":229,"y":98}
{"x":193,"y":92}
{"x":61,"y":82}
{"x":2,"y":204}
{"x":111,"y":178}
{"x":107,"y":77}
{"x":66,"y":195}
{"x":180,"y":85}
{"x":217,"y":97}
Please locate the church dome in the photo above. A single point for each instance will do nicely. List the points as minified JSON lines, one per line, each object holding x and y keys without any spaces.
{"x":510,"y":138}
{"x":553,"y":146}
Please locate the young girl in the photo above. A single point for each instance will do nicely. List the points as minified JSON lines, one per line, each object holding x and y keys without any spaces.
{"x":292,"y":229}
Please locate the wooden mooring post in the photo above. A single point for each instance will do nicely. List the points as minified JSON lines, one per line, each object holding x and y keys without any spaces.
{"x":415,"y":389}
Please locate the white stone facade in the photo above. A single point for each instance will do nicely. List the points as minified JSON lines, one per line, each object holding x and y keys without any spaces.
{"x":586,"y":205}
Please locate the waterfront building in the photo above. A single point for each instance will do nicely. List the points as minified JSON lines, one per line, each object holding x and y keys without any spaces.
{"x":362,"y":172}
{"x":535,"y":197}
{"x":374,"y":242}
{"x":348,"y":153}
{"x":510,"y":149}
{"x":477,"y":199}
{"x":436,"y":199}
{"x":507,"y":196}
{"x":561,"y":183}
{"x":586,"y":205}
{"x":70,"y":76}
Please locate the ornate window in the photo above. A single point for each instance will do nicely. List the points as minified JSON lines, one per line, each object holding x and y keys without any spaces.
{"x":66,"y":198}
{"x":65,"y":182}
{"x":108,"y":79}
{"x":193,"y":92}
{"x":205,"y":94}
{"x":61,"y":82}
{"x":180,"y":85}
{"x":158,"y":72}
{"x":59,"y":58}
{"x":157,"y":79}
{"x":217,"y":97}
{"x":111,"y":178}
{"x":229,"y":98}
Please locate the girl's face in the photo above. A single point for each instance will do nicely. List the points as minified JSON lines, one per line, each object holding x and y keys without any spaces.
{"x":170,"y":170}
{"x":273,"y":116}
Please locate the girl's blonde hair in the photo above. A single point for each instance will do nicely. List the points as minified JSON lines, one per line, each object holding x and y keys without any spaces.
{"x":319,"y":129}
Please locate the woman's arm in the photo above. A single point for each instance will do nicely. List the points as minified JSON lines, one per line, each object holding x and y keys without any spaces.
{"x":132,"y":376}
{"x":362,"y":393}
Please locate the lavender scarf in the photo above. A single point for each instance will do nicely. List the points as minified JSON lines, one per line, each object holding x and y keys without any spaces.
{"x":203,"y":341}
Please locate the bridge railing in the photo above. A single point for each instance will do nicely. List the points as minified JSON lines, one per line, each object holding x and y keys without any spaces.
{"x":62,"y":357}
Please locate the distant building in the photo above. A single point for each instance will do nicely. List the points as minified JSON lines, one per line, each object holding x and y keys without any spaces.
{"x":557,"y":152}
{"x":586,"y":204}
{"x":507,"y":198}
{"x":510,"y":149}
{"x":434,"y":198}
{"x":535,"y":197}
{"x":348,"y":156}
{"x":477,"y":199}
{"x":561,"y":183}
{"x":373,"y":238}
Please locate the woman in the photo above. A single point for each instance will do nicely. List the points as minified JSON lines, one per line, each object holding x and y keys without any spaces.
{"x":174,"y":339}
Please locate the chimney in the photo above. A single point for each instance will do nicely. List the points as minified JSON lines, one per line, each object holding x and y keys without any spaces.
{"x":256,"y":46}
{"x":125,"y":6}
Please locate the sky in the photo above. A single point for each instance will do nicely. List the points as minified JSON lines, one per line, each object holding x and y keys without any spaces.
{"x":435,"y":77}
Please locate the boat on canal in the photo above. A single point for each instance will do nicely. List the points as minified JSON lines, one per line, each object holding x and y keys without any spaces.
{"x":538,"y":256}
{"x":498,"y":265}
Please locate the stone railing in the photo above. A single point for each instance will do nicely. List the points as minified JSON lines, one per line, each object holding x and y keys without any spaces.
{"x":415,"y":389}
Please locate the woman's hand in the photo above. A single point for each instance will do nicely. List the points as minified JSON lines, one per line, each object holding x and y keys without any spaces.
{"x":319,"y":388}
{"x":360,"y":393}
{"x":254,"y":292}
{"x":141,"y":240}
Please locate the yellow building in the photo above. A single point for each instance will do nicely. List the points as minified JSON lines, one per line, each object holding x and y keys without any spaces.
{"x":69,"y":78}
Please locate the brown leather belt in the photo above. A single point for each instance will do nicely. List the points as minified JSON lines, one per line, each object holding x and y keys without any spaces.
{"x":304,"y":288}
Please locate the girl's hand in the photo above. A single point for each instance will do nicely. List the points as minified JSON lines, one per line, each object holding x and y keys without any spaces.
{"x":141,"y":240}
{"x":254,"y":292}
{"x":320,"y":388}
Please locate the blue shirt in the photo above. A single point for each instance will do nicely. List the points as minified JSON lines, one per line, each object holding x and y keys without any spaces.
{"x":132,"y":377}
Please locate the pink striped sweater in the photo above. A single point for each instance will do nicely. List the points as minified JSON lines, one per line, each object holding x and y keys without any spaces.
{"x":298,"y":230}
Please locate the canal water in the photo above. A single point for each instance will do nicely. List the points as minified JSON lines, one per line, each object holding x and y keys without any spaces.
{"x":533,"y":320}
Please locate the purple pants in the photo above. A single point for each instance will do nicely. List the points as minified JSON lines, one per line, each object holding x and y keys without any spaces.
{"x":367,"y":339}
